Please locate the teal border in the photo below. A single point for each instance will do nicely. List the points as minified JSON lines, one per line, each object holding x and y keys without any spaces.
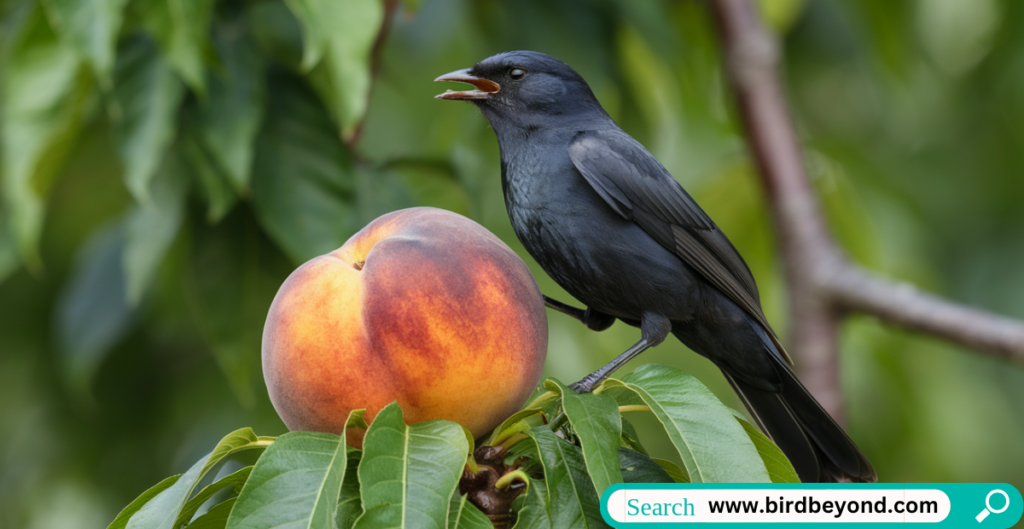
{"x":966,"y":501}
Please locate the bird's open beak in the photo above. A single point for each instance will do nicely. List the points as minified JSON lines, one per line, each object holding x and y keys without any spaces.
{"x":484,"y":88}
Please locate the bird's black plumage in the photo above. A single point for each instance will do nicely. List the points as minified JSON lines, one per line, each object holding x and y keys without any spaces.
{"x":609,"y":223}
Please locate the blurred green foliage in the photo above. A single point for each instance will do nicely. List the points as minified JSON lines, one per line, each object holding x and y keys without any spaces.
{"x":166,"y":164}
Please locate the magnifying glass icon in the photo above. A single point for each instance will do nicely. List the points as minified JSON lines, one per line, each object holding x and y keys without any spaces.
{"x":988,"y":506}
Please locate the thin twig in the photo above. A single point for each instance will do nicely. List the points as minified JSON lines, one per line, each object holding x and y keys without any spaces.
{"x":822,"y":283}
{"x":390,"y":6}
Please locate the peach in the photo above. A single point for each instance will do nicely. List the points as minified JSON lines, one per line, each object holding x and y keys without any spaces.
{"x":422,"y":306}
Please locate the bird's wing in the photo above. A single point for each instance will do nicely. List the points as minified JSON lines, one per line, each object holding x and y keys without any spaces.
{"x":640,"y":189}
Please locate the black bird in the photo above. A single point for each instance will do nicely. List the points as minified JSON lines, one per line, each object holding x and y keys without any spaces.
{"x":604,"y":219}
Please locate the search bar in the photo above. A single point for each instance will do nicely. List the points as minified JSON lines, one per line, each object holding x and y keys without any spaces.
{"x":986,"y":506}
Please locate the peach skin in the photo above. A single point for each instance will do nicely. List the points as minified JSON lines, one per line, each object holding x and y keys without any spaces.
{"x":423,"y":306}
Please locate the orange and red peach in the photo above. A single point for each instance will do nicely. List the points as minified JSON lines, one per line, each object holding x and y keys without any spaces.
{"x":422,"y":306}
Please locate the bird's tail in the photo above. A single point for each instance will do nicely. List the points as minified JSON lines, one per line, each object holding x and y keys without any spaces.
{"x":818,"y":448}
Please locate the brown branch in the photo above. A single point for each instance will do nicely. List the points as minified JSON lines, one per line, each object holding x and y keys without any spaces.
{"x":390,"y":6}
{"x":822,"y":282}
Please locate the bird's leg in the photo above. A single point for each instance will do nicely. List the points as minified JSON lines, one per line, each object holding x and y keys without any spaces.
{"x":594,"y":320}
{"x":654,"y":328}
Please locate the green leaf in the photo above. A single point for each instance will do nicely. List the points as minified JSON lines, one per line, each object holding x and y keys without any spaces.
{"x":92,"y":312}
{"x":780,"y":470}
{"x":342,"y":33}
{"x":90,"y":27}
{"x":464,"y":515}
{"x":630,"y":439}
{"x":639,"y":468}
{"x":219,"y":193}
{"x":147,"y":95}
{"x":296,"y":483}
{"x":235,"y":480}
{"x":534,"y":513}
{"x":350,"y":506}
{"x":303,"y":186}
{"x":181,"y":28}
{"x":408,"y":473}
{"x":230,"y":117}
{"x":276,"y":31}
{"x":216,"y":517}
{"x":674,"y":471}
{"x":713,"y":447}
{"x":44,"y":98}
{"x":314,"y":34}
{"x":163,"y":510}
{"x":237,"y":441}
{"x":152,"y":226}
{"x":596,"y":422}
{"x":510,"y":422}
{"x":122,"y":519}
{"x":572,"y":500}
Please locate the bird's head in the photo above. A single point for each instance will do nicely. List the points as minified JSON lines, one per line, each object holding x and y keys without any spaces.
{"x":526,"y":89}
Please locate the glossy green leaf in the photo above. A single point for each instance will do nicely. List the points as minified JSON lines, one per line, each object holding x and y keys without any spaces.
{"x":237,"y":441}
{"x":89,"y":27}
{"x":350,"y":505}
{"x":409,"y":473}
{"x":342,"y":34}
{"x":216,"y":517}
{"x":639,"y":468}
{"x":163,"y":510}
{"x":122,"y":519}
{"x":464,"y":515}
{"x":303,"y":184}
{"x":676,"y":472}
{"x":780,"y":470}
{"x":44,"y":97}
{"x":534,"y":512}
{"x":236,"y":480}
{"x":229,"y":118}
{"x":92,"y":311}
{"x":713,"y":446}
{"x":572,"y":500}
{"x":152,"y":226}
{"x":295,"y":483}
{"x":147,"y":95}
{"x":596,"y":422}
{"x":182,"y":29}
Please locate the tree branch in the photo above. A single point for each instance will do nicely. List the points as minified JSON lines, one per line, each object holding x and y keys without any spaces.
{"x":390,"y":6}
{"x":821,"y":281}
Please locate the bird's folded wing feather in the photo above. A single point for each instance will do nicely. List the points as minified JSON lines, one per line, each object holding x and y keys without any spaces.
{"x":640,"y":189}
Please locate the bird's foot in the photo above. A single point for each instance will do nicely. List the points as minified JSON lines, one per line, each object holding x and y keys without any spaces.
{"x":586,"y":385}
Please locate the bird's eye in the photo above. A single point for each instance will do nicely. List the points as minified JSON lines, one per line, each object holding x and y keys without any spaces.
{"x":517,"y":73}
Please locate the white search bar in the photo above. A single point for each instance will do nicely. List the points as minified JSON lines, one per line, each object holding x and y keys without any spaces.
{"x":778,"y":505}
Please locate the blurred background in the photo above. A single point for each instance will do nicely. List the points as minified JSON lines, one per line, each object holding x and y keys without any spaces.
{"x":166,"y":164}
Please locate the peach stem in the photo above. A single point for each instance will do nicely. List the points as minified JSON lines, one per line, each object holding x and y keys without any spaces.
{"x":506,"y":480}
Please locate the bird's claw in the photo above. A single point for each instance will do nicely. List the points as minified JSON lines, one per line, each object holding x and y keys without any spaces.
{"x":586,"y":385}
